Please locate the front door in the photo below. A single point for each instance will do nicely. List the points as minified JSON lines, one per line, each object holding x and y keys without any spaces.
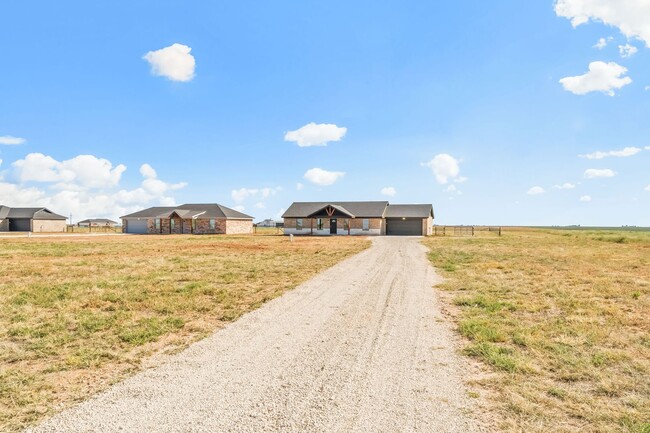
{"x":333,"y":226}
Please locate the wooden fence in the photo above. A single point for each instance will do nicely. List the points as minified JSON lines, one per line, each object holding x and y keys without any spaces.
{"x":97,"y":229}
{"x":465,"y":230}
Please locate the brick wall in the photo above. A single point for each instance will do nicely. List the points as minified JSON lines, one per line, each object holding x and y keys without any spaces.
{"x":427,"y":226}
{"x":203,"y":226}
{"x":238,"y":227}
{"x":51,"y":226}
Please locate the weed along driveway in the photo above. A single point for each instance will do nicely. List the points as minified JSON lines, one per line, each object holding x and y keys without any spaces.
{"x":361,"y":347}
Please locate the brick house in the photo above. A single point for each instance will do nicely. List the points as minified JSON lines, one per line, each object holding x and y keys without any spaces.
{"x":30,"y":219}
{"x":358,"y":218}
{"x":188,"y":219}
{"x":97,"y":222}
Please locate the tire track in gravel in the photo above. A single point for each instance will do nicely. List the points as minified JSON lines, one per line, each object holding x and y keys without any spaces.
{"x":359,"y":348}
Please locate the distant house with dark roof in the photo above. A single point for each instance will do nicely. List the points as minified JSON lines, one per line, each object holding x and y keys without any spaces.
{"x":97,"y":222}
{"x":188,"y":219}
{"x":269,"y":223}
{"x":358,"y":218}
{"x":30,"y":219}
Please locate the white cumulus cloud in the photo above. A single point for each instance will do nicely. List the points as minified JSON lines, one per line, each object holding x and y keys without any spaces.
{"x":647,"y":188}
{"x":593,"y":173}
{"x":8,"y":140}
{"x":323,"y":177}
{"x":602,"y":42}
{"x":155,"y":186}
{"x":86,"y":186}
{"x":242,"y":194}
{"x":174,"y":62}
{"x":313,"y":134}
{"x":536,"y":190}
{"x":627,"y":50}
{"x":445,"y":168}
{"x":585,"y":198}
{"x":628,"y":151}
{"x":388,"y":191}
{"x":299,"y":186}
{"x":80,"y":172}
{"x":631,"y":17}
{"x":566,"y":185}
{"x":602,"y":77}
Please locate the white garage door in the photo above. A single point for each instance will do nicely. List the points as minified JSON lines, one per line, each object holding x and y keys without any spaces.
{"x":136,"y":226}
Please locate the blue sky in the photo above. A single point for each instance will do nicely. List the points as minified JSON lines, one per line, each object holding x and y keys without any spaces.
{"x":459,"y":104}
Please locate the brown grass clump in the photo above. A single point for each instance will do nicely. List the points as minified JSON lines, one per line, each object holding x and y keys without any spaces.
{"x":79,"y":313}
{"x":561,"y":319}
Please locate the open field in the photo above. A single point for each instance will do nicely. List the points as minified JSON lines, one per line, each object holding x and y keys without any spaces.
{"x":560,"y":320}
{"x":80,"y":313}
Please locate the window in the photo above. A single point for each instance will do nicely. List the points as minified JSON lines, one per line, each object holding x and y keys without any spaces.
{"x":299,"y":224}
{"x":366,"y":224}
{"x":193,"y":224}
{"x":319,"y":224}
{"x":346,"y":224}
{"x":172,"y":224}
{"x":158,"y":224}
{"x":213,"y":223}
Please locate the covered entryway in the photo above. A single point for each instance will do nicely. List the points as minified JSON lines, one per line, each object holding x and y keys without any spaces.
{"x":137,"y":226}
{"x":20,"y":225}
{"x":404,"y":226}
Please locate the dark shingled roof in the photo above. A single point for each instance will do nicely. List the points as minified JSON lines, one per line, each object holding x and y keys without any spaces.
{"x":360,"y":209}
{"x":409,"y":211}
{"x":97,"y":220}
{"x":190,"y":210}
{"x":37,"y":213}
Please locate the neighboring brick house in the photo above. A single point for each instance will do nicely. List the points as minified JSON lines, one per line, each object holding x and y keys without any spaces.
{"x":97,"y":222}
{"x":358,"y":218}
{"x":30,"y":219}
{"x":188,"y":219}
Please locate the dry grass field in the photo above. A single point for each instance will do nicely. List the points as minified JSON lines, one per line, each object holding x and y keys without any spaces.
{"x":79,"y":313}
{"x":561,"y":322}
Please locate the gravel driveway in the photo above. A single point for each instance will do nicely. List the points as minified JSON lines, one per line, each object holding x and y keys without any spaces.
{"x":362,"y":347}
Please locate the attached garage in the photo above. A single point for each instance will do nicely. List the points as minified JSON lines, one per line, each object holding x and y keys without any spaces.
{"x":31,"y":219}
{"x":404,"y":226}
{"x":135,"y":226}
{"x":20,"y":225}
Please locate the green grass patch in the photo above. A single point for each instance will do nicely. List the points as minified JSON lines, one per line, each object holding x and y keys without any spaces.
{"x":560,"y":317}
